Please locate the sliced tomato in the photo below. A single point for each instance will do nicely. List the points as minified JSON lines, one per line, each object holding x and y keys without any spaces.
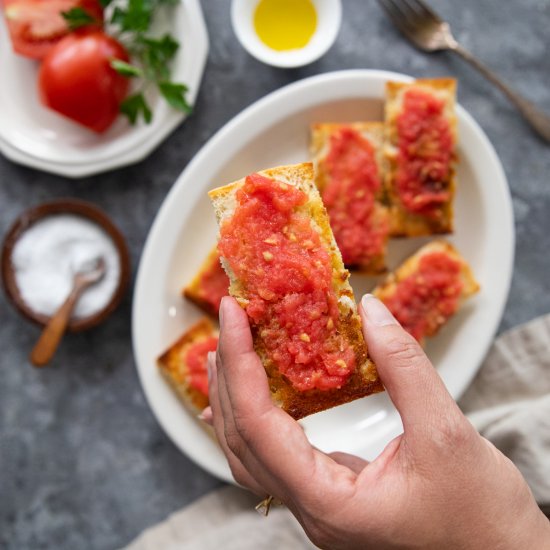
{"x":76,"y":79}
{"x":35,"y":26}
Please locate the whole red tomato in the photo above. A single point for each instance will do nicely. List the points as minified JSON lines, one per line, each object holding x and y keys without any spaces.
{"x":35,"y":26}
{"x":77,"y":80}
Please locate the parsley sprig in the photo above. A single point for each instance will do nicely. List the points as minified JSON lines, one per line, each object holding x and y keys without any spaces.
{"x":151,"y":56}
{"x":78,"y":17}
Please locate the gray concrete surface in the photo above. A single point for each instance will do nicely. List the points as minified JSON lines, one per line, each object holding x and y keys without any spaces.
{"x":83,"y":462}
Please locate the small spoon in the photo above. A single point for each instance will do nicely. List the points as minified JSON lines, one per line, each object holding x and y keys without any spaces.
{"x":46,"y":346}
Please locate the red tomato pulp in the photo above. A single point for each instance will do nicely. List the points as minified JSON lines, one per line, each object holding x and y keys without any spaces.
{"x":214,"y":285}
{"x":35,"y":26}
{"x":287,"y":273}
{"x":349,"y":196}
{"x":77,"y":80}
{"x":195,"y":359}
{"x":424,"y":300}
{"x":426,"y":148}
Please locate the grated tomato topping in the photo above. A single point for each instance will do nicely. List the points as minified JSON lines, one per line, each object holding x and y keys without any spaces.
{"x":424,"y":300}
{"x":425,"y":153}
{"x":359,"y":227}
{"x":195,"y":359}
{"x":277,"y":254}
{"x":214,"y":285}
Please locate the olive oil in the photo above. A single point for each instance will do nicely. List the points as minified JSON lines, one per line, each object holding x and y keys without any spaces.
{"x":285,"y":24}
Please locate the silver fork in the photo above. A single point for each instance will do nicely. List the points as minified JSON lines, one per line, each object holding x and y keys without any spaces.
{"x":428,"y":32}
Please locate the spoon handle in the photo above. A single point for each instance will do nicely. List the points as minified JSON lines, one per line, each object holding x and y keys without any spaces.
{"x":46,"y":345}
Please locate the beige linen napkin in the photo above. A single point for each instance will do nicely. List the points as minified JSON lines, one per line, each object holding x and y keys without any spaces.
{"x":226,"y":519}
{"x":508,"y":402}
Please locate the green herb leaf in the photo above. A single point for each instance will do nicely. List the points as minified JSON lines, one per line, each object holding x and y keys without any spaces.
{"x":134,"y":106}
{"x":153,"y":56}
{"x":77,"y":17}
{"x":136,"y":17}
{"x":166,"y":46}
{"x":125,"y":69}
{"x":175,"y":95}
{"x":157,"y":54}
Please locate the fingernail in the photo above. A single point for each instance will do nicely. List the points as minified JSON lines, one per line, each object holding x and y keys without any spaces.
{"x":206,"y":416}
{"x":377,"y":313}
{"x":210,"y":364}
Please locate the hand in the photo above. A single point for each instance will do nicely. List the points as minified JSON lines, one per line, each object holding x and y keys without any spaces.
{"x":438,"y":485}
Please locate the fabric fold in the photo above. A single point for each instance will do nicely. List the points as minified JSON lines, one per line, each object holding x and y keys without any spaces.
{"x":509,"y":401}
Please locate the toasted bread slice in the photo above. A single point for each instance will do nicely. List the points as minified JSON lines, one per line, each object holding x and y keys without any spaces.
{"x":439,"y":297}
{"x":439,"y":219}
{"x":209,"y":285}
{"x":174,"y":364}
{"x":361,"y":238}
{"x":271,"y":337}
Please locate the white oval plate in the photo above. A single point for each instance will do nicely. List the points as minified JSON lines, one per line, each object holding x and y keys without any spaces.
{"x":35,"y":136}
{"x":272,"y":132}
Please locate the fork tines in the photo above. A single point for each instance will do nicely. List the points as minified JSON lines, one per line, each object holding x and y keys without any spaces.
{"x":409,"y":15}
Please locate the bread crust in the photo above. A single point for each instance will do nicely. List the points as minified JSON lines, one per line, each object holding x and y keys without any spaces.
{"x":193,"y":290}
{"x":364,"y":380}
{"x":406,"y":223}
{"x":319,"y":148}
{"x":175,"y":371}
{"x":387,"y":288}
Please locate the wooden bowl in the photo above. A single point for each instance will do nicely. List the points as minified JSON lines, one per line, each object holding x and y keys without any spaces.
{"x":64,"y":206}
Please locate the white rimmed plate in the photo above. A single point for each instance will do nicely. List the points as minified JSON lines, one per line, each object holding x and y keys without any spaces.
{"x":274,"y":131}
{"x":34,"y":136}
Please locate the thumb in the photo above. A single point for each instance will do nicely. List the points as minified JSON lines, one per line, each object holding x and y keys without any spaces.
{"x":414,"y":386}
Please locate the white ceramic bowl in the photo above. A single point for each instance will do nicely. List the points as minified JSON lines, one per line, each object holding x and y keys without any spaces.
{"x":329,"y":17}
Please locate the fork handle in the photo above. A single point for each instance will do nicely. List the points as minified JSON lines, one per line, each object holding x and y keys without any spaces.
{"x":538,"y":119}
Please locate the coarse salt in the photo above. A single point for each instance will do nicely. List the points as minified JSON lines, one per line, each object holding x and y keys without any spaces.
{"x":48,"y":254}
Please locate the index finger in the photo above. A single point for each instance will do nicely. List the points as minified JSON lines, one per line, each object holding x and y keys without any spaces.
{"x":276,"y":442}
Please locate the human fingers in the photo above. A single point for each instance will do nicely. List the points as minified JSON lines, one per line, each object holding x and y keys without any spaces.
{"x":233,"y":441}
{"x":270,"y":444}
{"x":206,"y":416}
{"x":217,"y":422}
{"x":411,"y":381}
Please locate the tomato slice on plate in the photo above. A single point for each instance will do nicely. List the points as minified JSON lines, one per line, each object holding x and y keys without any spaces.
{"x":35,"y":26}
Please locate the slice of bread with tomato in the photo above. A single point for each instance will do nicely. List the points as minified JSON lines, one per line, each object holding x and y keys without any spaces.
{"x":287,"y":273}
{"x":183,"y":364}
{"x":420,"y":155}
{"x":348,"y":161}
{"x":428,"y":289}
{"x":209,"y":285}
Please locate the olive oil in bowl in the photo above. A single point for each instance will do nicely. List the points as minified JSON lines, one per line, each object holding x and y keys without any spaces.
{"x":285,"y":24}
{"x":286,"y":33}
